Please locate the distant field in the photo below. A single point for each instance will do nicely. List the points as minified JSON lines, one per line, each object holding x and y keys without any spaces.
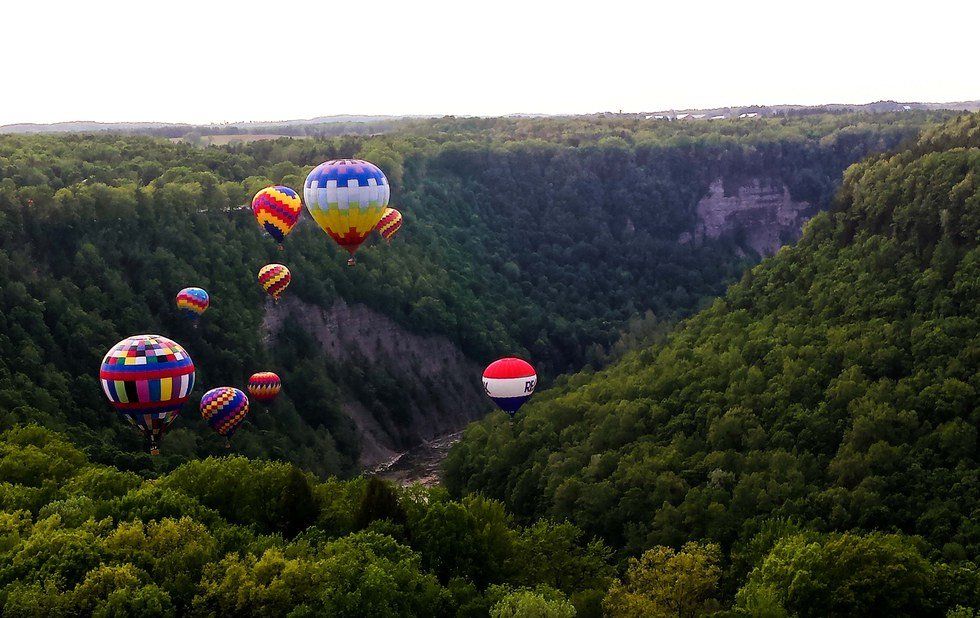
{"x":222,"y":140}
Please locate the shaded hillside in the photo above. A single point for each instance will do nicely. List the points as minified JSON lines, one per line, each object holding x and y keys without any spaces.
{"x":532,"y":237}
{"x":835,"y":386}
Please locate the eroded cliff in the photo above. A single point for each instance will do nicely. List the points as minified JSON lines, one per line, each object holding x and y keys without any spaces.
{"x":759,"y":213}
{"x":426,"y":368}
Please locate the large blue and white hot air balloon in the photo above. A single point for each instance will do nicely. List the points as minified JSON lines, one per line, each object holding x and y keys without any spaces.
{"x":347,"y":198}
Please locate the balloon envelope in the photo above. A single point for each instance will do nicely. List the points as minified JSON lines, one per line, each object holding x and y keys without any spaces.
{"x":277,"y":210}
{"x":509,"y":382}
{"x":264,"y":386}
{"x":274,"y":278}
{"x":391,"y":222}
{"x":192,"y":302}
{"x":223,"y":409}
{"x":346,"y":197}
{"x":147,"y":378}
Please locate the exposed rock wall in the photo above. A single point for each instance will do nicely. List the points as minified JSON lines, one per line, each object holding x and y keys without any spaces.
{"x":760,"y":213}
{"x":428,"y":365}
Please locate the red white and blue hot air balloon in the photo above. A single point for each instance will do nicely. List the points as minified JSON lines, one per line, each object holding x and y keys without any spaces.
{"x":509,"y":382}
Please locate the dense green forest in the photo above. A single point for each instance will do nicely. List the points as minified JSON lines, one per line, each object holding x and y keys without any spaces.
{"x":805,"y":445}
{"x":823,"y":407}
{"x":530,"y":236}
{"x":232,"y":536}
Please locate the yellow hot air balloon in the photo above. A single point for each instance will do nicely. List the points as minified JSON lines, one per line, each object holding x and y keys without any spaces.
{"x":347,"y":197}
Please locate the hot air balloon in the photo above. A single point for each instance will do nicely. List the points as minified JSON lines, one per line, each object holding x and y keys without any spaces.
{"x":264,"y":386}
{"x":346,"y":197}
{"x":391,"y":222}
{"x":147,"y":379}
{"x":224,"y":408}
{"x":192,"y":302}
{"x":509,"y":382}
{"x":274,"y":278}
{"x":277,"y":210}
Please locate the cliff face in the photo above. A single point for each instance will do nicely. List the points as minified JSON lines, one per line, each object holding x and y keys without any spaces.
{"x":428,"y":368}
{"x":759,"y":213}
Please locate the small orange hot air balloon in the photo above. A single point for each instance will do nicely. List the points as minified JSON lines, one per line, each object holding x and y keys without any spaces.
{"x":264,"y":386}
{"x":274,"y":278}
{"x":390,"y":223}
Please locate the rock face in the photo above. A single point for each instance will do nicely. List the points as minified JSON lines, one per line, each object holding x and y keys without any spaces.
{"x":759,"y":213}
{"x":428,"y":365}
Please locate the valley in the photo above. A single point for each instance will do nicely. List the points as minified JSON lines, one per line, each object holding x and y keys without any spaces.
{"x":755,"y":342}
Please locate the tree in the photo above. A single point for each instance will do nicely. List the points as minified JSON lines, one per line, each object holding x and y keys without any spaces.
{"x":665,"y":582}
{"x":843,"y":574}
{"x":379,"y":502}
{"x":537,"y":603}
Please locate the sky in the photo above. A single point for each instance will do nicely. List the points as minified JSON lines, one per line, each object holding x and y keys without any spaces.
{"x":214,"y":61}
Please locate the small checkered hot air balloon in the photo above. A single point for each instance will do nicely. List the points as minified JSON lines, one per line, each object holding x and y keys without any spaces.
{"x":391,"y":222}
{"x":147,"y":378}
{"x":274,"y":278}
{"x":223,"y":409}
{"x":264,"y":386}
{"x":346,"y":198}
{"x":277,"y":211}
{"x":192,"y":303}
{"x":509,"y":382}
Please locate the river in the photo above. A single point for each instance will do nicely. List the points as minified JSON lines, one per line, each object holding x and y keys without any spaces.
{"x":420,"y":464}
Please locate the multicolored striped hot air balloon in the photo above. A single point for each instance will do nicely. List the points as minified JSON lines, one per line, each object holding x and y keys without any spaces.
{"x":347,"y":197}
{"x":192,"y":302}
{"x":277,"y":211}
{"x":391,"y":222}
{"x":264,"y":386}
{"x":509,"y":382}
{"x":274,"y":278}
{"x":147,"y":378}
{"x":224,"y":408}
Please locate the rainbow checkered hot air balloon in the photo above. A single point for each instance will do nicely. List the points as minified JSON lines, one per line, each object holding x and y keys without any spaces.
{"x":347,"y":197}
{"x":391,"y":222}
{"x":192,"y":302}
{"x":274,"y":278}
{"x":509,"y":382}
{"x":147,"y":378}
{"x":277,"y":211}
{"x":223,"y":409}
{"x":264,"y":386}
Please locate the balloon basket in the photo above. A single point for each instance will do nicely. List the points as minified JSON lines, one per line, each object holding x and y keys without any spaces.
{"x":351,"y":261}
{"x":281,"y":248}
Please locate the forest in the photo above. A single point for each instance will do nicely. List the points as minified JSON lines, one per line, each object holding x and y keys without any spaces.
{"x":527,"y":236}
{"x":802,"y":444}
{"x":821,"y":416}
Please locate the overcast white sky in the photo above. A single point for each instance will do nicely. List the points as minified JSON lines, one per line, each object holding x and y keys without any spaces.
{"x":209,"y":61}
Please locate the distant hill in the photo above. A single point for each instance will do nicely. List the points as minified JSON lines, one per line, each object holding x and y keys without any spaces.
{"x":878,"y":107}
{"x":354,"y":123}
{"x":88,"y":126}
